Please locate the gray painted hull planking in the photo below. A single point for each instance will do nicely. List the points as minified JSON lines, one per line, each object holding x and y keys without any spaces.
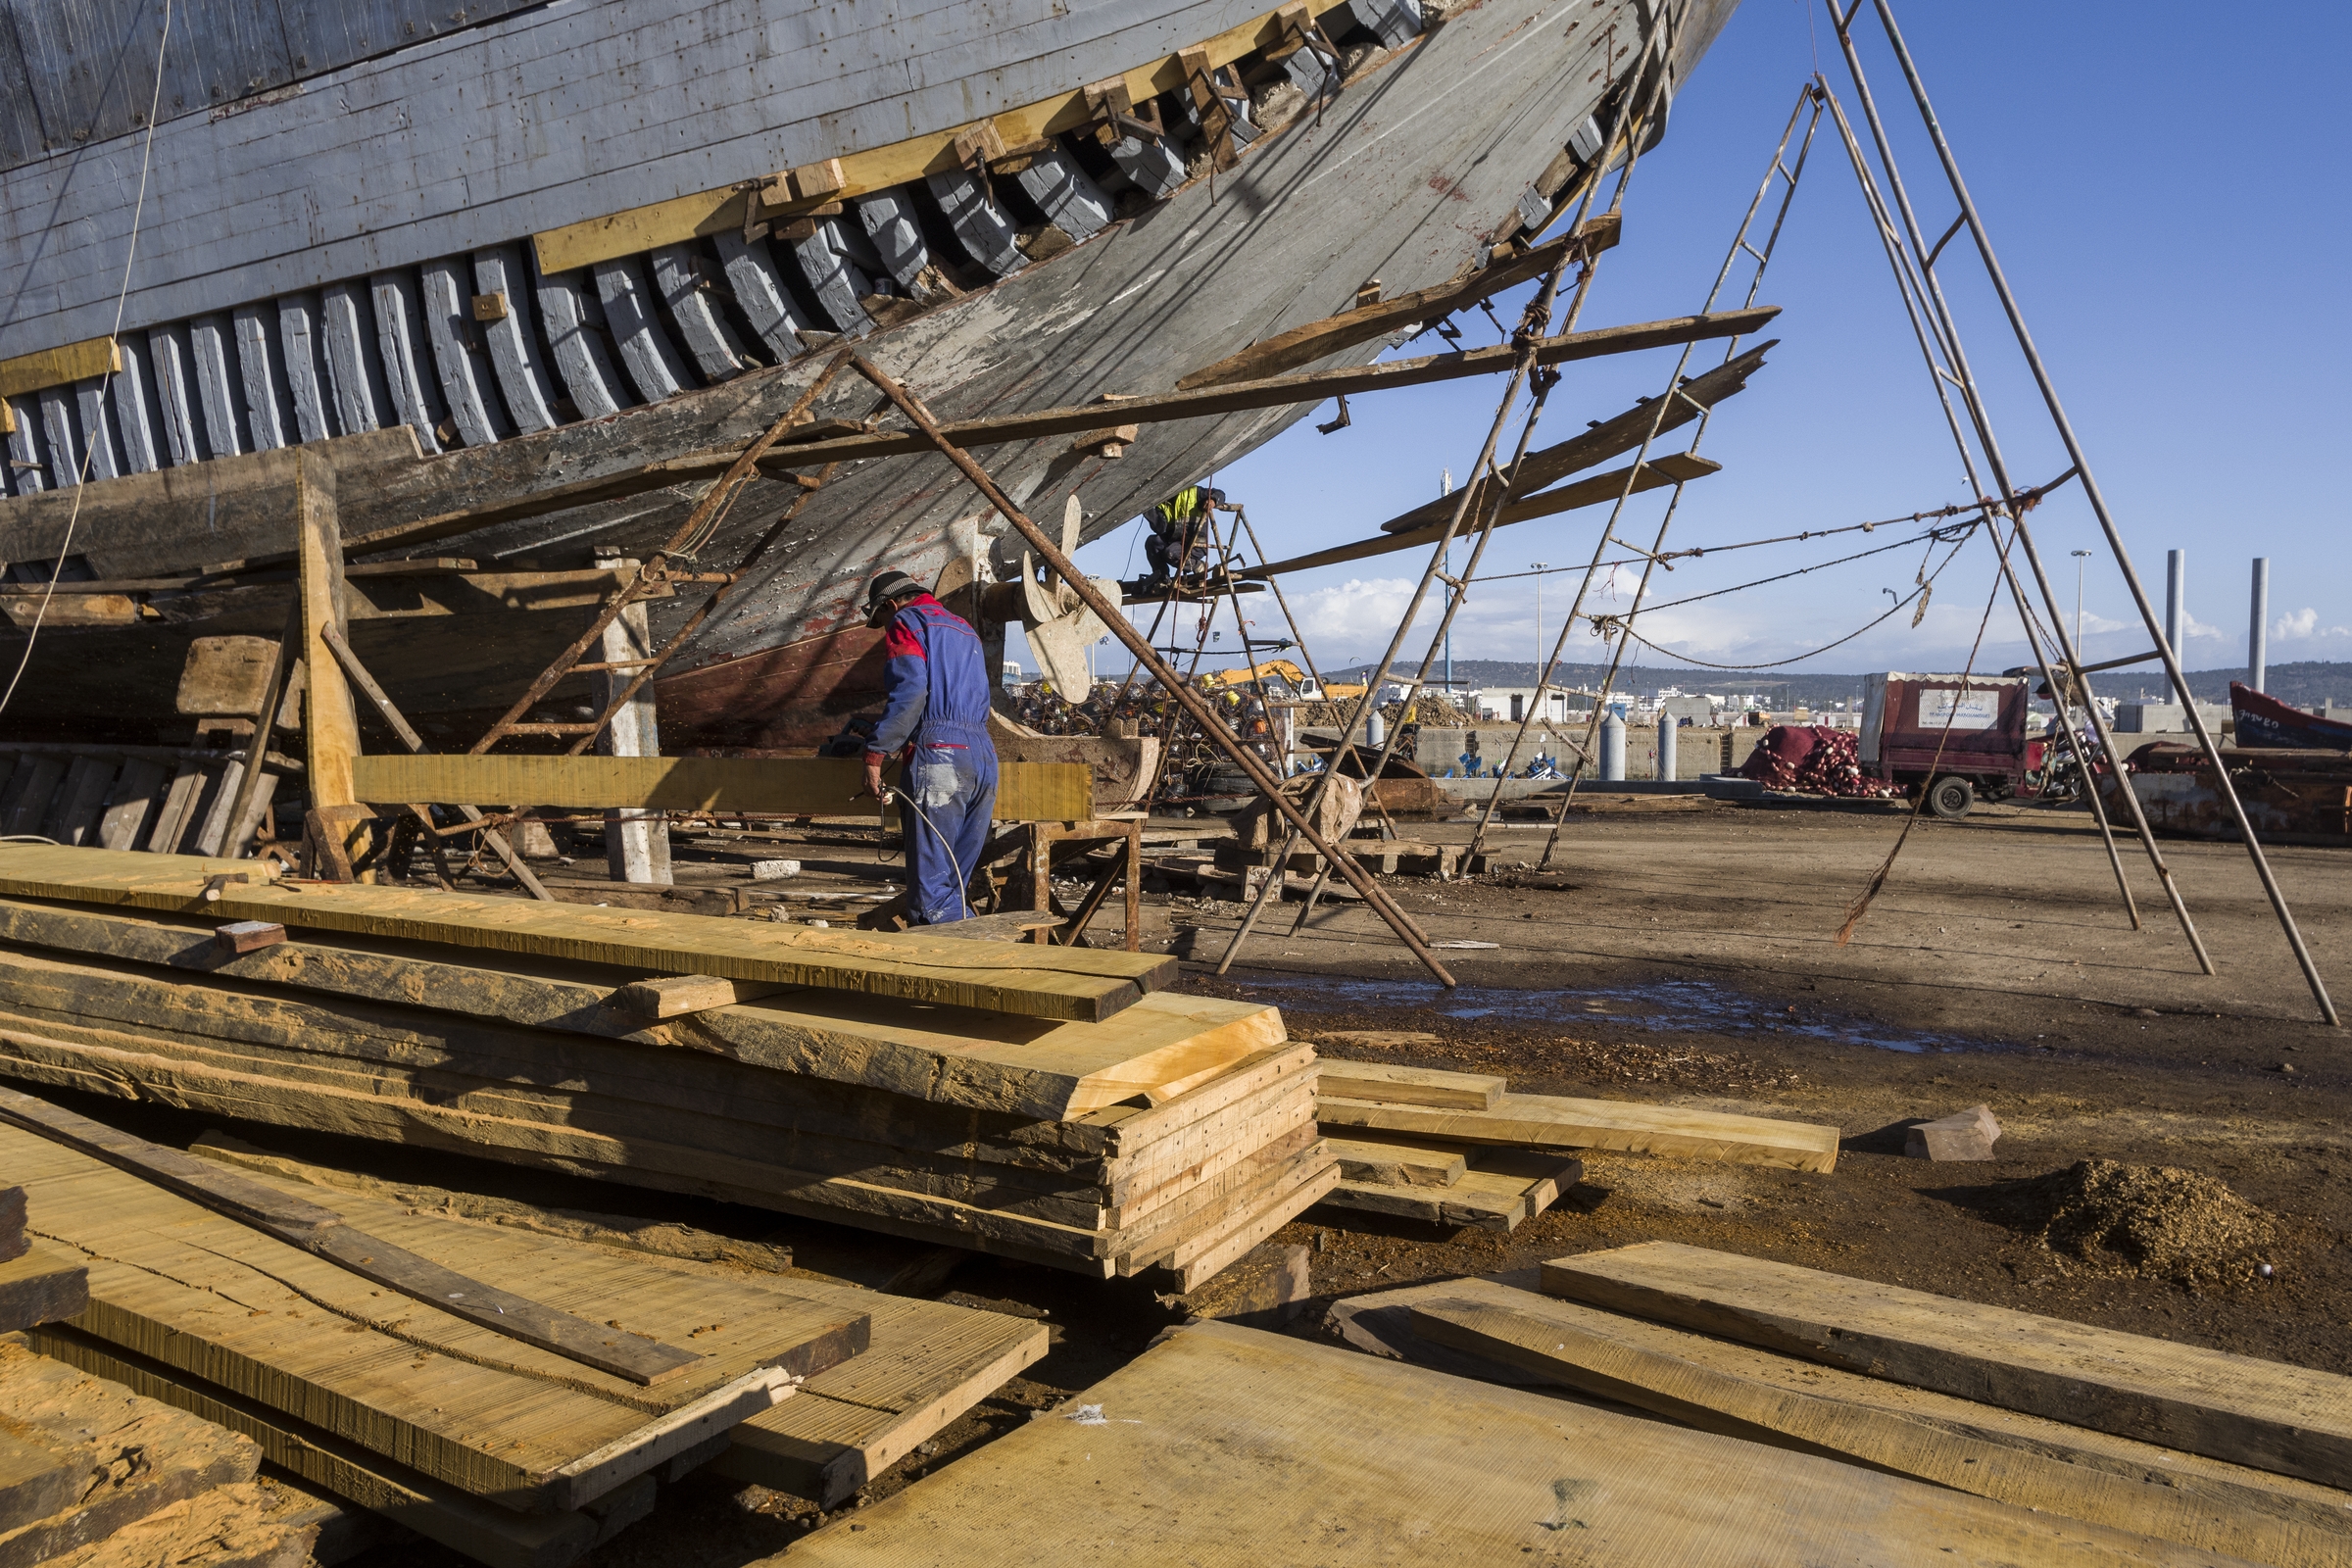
{"x":364,"y":320}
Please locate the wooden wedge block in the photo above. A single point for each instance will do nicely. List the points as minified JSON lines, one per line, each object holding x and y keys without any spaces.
{"x":1543,"y":1121}
{"x":1410,"y":1085}
{"x":1222,"y":1443}
{"x":2022,"y":1460}
{"x":2266,"y":1414}
{"x":41,"y":1286}
{"x":1383,"y":1165}
{"x":672,"y":996}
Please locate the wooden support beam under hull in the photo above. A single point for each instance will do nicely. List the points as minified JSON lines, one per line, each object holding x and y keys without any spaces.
{"x":408,"y":501}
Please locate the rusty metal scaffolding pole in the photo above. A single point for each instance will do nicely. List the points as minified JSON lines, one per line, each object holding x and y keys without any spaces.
{"x":1739,"y":242}
{"x":1974,"y":224}
{"x":1930,"y":338}
{"x":1051,"y":554}
{"x":1627,"y":125}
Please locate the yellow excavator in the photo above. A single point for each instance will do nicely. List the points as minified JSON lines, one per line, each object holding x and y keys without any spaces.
{"x":1299,"y":678}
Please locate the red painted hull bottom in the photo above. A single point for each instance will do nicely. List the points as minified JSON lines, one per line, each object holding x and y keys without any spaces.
{"x":790,"y":699}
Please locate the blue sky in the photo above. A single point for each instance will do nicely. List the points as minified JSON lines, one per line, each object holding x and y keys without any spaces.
{"x":2167,"y":194}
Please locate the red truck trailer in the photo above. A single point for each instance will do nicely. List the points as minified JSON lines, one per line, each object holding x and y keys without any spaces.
{"x":1957,"y":737}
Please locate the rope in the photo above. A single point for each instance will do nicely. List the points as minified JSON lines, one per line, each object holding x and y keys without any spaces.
{"x":122,"y":295}
{"x":1601,"y":624}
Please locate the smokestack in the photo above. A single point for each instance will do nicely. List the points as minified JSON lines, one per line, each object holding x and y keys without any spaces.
{"x":2258,"y":645}
{"x":2176,"y":602}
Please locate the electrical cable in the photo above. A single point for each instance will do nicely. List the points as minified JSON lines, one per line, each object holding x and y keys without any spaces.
{"x":962,"y":897}
{"x":1775,"y":663}
{"x":90,"y":446}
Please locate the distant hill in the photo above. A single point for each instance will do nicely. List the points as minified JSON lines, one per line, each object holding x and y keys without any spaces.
{"x":2304,"y":683}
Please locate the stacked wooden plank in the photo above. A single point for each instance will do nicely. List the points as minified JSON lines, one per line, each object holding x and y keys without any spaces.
{"x":488,"y":1436}
{"x":90,"y":1472}
{"x":1225,"y":1445}
{"x":1041,"y":1103}
{"x":1459,"y":1148}
{"x":2224,"y":1457}
{"x":1425,"y":1107}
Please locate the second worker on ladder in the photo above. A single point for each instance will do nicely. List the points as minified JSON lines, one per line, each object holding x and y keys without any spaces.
{"x":937,"y":719}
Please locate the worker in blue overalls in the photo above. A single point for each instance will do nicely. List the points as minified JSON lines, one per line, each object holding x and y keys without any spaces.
{"x":937,"y":719}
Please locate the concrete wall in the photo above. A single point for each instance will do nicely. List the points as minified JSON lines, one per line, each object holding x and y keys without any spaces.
{"x":2151,"y":718}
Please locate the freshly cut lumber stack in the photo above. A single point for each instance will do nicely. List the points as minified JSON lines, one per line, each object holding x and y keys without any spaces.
{"x":2224,"y":1455}
{"x":1173,"y":1135}
{"x":91,"y":1473}
{"x":925,"y":1363}
{"x":511,"y":1431}
{"x":1221,"y":1442}
{"x":1428,"y":1107}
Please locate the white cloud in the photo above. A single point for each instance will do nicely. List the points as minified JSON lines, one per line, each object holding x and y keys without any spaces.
{"x":2297,"y":623}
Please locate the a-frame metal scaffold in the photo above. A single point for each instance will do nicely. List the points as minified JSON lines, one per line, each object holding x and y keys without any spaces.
{"x":1947,"y":357}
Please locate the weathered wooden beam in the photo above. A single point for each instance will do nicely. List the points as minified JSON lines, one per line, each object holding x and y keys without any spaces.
{"x":1085,"y":984}
{"x":1675,"y":467}
{"x":404,"y":500}
{"x":803,"y":786}
{"x":1606,"y":440}
{"x":2294,"y":1420}
{"x":1303,"y":345}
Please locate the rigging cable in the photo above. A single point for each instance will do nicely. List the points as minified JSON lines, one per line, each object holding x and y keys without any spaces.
{"x":92,"y":438}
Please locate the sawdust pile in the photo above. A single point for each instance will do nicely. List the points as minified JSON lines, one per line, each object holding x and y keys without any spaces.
{"x":2154,"y":1220}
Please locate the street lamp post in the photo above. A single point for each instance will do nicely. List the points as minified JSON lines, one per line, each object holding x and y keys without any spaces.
{"x":2080,"y":556}
{"x":1539,"y":567}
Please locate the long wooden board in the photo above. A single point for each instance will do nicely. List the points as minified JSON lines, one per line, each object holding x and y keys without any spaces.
{"x":2266,"y":1414}
{"x":304,"y":1224}
{"x":1164,"y":1046}
{"x":1544,"y":1121}
{"x":1223,"y":1444}
{"x":925,"y":1364}
{"x":494,"y":1417}
{"x":1992,"y":1453}
{"x":1410,"y":1085}
{"x":1049,"y":982}
{"x":801,"y":785}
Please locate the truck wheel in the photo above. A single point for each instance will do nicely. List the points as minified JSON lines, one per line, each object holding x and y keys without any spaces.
{"x":1950,"y":796}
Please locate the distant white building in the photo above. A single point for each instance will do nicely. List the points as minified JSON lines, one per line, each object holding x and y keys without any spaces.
{"x":1510,"y":703}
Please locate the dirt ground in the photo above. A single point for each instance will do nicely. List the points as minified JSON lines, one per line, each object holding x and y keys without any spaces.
{"x":1684,"y":951}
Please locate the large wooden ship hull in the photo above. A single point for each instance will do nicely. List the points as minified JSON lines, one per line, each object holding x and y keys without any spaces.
{"x":521,"y":247}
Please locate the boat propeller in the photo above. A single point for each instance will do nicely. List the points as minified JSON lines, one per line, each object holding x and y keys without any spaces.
{"x":1060,"y":625}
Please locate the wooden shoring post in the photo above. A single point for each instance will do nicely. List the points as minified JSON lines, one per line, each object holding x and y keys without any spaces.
{"x":1049,"y":550}
{"x":415,"y":742}
{"x":330,"y":727}
{"x":249,"y":799}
